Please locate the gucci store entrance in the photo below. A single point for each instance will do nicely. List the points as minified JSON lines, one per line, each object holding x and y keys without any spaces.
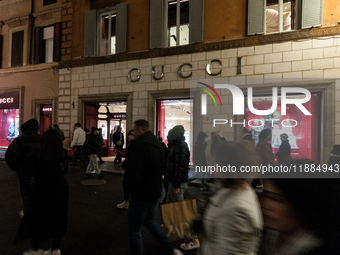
{"x":107,"y":116}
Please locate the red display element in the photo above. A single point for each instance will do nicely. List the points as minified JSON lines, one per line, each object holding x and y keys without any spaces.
{"x":304,"y":138}
{"x":161,"y":121}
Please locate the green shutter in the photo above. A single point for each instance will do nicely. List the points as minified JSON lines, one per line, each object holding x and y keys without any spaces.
{"x":311,"y":13}
{"x":90,"y":40}
{"x":157,"y":27}
{"x":121,"y":23}
{"x":196,"y":14}
{"x":256,"y":17}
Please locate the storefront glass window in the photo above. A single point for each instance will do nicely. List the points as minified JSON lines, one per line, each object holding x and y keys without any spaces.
{"x":9,"y":126}
{"x":303,"y":130}
{"x":174,"y":112}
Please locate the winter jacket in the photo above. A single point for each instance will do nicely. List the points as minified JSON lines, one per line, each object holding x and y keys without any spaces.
{"x":18,"y":151}
{"x":46,"y":209}
{"x":264,"y":150}
{"x":283,"y":154}
{"x":232,"y":223}
{"x":92,"y":144}
{"x":118,"y":136}
{"x":177,"y":164}
{"x":145,"y":166}
{"x":79,"y":137}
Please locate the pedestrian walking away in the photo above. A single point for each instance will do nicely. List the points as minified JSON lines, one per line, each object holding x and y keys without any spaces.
{"x":18,"y":153}
{"x":92,"y":146}
{"x":145,"y":178}
{"x":47,"y":208}
{"x":78,"y":141}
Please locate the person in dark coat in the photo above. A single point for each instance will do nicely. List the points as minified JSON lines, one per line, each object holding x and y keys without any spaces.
{"x":301,"y":216}
{"x":47,"y":208}
{"x":283,"y":155}
{"x":101,"y":144}
{"x":247,"y":135}
{"x":145,"y":179}
{"x":177,"y":164}
{"x":17,"y":153}
{"x":125,"y":166}
{"x":264,"y":148}
{"x":92,"y":147}
{"x":215,"y":142}
{"x":118,"y":140}
{"x":199,"y":155}
{"x":56,"y":127}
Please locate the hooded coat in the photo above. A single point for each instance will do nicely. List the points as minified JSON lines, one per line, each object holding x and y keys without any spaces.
{"x":18,"y":150}
{"x":199,"y":150}
{"x":177,"y":164}
{"x":47,"y":204}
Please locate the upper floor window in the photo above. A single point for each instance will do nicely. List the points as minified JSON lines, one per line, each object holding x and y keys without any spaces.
{"x":178,"y":22}
{"x":47,"y":44}
{"x":170,"y":21}
{"x":105,"y":31}
{"x":108,"y":34}
{"x":280,"y":15}
{"x":270,"y":16}
{"x":47,"y":2}
{"x":17,"y":48}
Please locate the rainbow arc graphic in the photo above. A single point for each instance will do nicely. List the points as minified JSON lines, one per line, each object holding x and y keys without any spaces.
{"x":209,"y":93}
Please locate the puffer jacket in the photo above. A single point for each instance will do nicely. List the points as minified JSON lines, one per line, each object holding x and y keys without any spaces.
{"x":177,"y":165}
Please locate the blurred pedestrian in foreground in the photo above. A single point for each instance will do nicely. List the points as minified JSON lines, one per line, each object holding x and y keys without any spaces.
{"x":283,"y":155}
{"x":17,"y":156}
{"x":47,"y":208}
{"x":147,"y":162}
{"x":232,"y":220}
{"x":125,"y":166}
{"x":301,"y":216}
{"x":199,"y":156}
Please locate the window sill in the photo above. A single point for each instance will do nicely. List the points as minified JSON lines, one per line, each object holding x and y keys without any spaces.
{"x":27,"y":68}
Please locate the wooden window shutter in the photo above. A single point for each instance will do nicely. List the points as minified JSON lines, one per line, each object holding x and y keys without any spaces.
{"x":196,"y":12}
{"x":256,"y":17}
{"x":157,"y":28}
{"x":311,"y":13}
{"x":121,"y":25}
{"x":90,"y":40}
{"x":17,"y":48}
{"x":38,"y":46}
{"x":57,"y":42}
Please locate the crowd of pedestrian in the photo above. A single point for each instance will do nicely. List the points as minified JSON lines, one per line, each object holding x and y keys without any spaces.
{"x":287,"y":216}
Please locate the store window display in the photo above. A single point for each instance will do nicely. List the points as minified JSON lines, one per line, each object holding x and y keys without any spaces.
{"x":9,"y":126}
{"x":303,"y":130}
